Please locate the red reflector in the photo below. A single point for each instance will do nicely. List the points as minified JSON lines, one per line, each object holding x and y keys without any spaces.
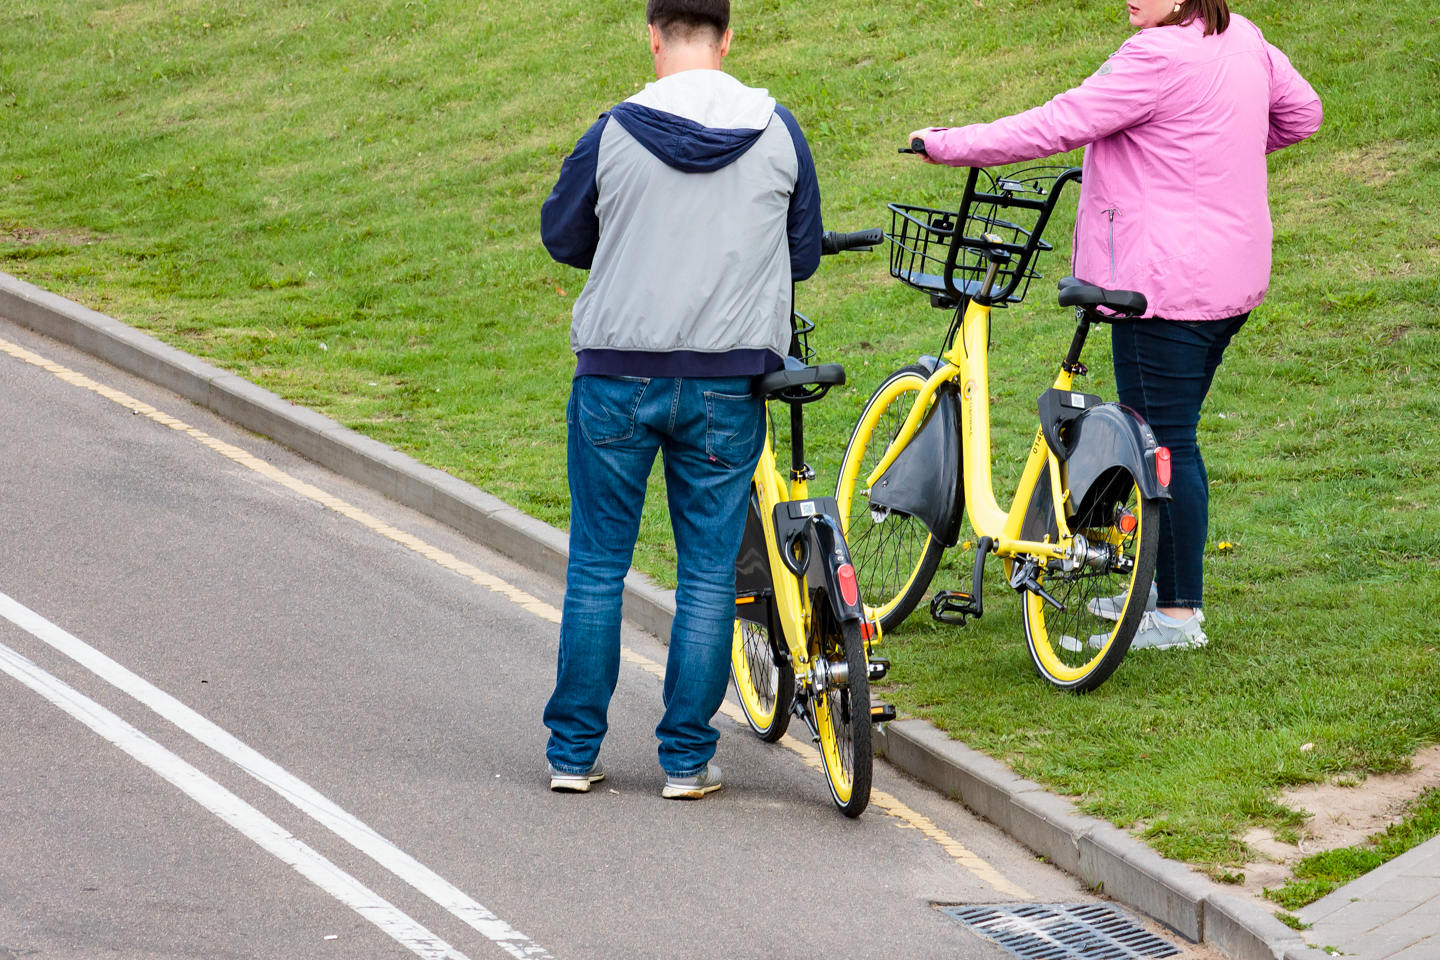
{"x":1162,"y":466}
{"x":849,"y":589}
{"x":1128,"y":523}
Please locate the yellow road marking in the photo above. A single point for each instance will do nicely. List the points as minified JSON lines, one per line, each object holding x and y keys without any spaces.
{"x":892,"y":805}
{"x":447,"y":560}
{"x":880,"y":799}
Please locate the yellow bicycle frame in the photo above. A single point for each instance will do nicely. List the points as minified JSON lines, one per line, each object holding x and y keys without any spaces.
{"x":792,"y":605}
{"x":967,"y":362}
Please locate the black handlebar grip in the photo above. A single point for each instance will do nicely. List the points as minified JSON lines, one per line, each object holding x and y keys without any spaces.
{"x":835,"y":242}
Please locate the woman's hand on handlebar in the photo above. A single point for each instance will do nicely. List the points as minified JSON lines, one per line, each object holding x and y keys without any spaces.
{"x":917,"y":143}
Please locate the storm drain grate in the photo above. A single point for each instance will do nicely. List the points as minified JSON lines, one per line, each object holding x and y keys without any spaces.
{"x":1059,"y":931}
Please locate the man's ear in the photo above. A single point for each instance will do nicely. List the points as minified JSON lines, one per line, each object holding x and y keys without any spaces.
{"x":654,"y":38}
{"x":725,"y":42}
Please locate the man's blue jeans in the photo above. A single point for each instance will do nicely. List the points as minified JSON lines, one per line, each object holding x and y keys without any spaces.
{"x":711,"y":431}
{"x":1163,"y":369}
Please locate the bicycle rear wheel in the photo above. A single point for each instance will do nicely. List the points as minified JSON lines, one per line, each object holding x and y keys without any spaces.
{"x":765,"y":683}
{"x":842,"y":714}
{"x":1077,"y":648}
{"x":894,"y":554}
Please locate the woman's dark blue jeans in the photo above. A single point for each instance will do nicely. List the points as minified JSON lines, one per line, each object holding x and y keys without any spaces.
{"x":1163,"y":370}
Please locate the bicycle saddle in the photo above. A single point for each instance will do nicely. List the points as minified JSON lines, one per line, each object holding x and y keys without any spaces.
{"x":781,"y":381}
{"x":1124,"y":303}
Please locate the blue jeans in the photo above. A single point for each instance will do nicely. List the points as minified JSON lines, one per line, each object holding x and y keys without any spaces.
{"x":711,"y":431}
{"x":1163,"y":370}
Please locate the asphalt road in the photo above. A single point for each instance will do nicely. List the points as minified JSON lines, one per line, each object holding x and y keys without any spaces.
{"x":253,"y":710}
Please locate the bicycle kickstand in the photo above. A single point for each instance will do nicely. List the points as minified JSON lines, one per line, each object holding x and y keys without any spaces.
{"x":1025,"y":578}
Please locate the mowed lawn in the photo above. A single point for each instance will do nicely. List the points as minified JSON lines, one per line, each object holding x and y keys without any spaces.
{"x":341,"y":203}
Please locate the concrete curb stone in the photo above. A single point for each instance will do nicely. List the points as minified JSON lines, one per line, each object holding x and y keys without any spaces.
{"x":1101,"y":855}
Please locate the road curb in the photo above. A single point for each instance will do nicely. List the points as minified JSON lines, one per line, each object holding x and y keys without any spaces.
{"x":1095,"y":851}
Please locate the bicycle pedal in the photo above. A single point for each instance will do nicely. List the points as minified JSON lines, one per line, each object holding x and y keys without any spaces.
{"x":953,"y":607}
{"x":879,"y":666}
{"x":882,"y":712}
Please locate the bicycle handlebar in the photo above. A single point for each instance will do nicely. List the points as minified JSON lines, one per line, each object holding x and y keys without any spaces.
{"x":917,"y":145}
{"x":835,"y":242}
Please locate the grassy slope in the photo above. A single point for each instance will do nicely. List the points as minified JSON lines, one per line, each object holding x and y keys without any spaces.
{"x":342,"y":205}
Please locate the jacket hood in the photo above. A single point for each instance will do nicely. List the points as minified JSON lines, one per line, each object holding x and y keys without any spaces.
{"x":697,"y":121}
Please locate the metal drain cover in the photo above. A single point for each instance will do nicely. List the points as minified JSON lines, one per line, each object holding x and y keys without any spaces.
{"x":1063,"y":931}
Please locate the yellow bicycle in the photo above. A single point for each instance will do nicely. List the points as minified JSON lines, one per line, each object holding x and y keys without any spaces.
{"x":1079,"y":535}
{"x":802,"y":636}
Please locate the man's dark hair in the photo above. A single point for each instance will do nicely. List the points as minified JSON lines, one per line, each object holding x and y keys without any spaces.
{"x":682,"y":19}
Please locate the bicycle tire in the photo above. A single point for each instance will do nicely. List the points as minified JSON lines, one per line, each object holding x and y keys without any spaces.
{"x":842,"y":716}
{"x":765,"y":683}
{"x":1077,"y":649}
{"x":895,"y":556}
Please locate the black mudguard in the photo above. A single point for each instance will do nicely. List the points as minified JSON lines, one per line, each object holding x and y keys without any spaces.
{"x":1106,"y":436}
{"x":926,"y":480}
{"x":824,"y":556}
{"x":1097,"y":441}
{"x":752,"y":570}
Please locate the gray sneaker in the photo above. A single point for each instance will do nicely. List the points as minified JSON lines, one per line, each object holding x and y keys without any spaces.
{"x":576,"y":782}
{"x":692,"y":788}
{"x":1110,"y":607}
{"x":1159,"y":632}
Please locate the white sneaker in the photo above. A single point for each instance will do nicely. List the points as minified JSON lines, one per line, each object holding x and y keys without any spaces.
{"x":693,"y":788}
{"x":1110,"y":607}
{"x":1160,"y":632}
{"x":576,"y":782}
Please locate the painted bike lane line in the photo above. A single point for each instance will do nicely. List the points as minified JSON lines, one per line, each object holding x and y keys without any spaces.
{"x":224,"y":804}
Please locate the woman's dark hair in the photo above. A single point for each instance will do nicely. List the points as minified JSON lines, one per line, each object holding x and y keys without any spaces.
{"x":685,"y":17}
{"x":1215,"y":13}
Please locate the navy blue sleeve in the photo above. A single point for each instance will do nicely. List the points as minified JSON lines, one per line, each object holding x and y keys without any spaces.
{"x":804,"y":223}
{"x":569,"y":226}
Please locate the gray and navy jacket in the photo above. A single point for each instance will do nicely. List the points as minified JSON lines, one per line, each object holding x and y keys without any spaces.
{"x":695,"y":206}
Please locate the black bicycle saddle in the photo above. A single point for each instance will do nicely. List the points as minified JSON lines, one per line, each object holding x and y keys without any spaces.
{"x":1078,"y":293}
{"x":777,"y":383}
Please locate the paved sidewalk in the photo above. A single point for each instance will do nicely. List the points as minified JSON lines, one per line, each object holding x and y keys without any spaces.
{"x":1391,"y":914}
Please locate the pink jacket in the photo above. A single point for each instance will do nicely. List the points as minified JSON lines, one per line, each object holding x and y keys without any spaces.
{"x":1173,"y":201}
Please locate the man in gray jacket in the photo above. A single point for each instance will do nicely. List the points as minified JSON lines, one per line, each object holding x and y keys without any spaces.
{"x":695,"y":207}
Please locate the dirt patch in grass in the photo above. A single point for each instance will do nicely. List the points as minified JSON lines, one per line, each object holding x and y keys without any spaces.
{"x":1343,"y":813}
{"x":27,"y":236}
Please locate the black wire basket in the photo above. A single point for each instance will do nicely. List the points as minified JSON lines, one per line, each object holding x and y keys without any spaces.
{"x":948,"y":253}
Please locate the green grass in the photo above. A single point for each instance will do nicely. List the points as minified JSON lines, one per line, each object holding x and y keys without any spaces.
{"x":342,"y":205}
{"x":1318,"y":875}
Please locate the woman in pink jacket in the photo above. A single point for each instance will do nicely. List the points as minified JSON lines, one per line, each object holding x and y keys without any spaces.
{"x":1173,"y":203}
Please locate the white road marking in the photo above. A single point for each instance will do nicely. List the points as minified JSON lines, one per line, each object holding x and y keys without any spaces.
{"x":291,"y":788}
{"x":228,"y":807}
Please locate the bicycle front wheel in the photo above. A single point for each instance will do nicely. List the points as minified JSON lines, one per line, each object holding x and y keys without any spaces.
{"x":842,"y":716}
{"x":765,"y":683}
{"x":894,"y":554}
{"x":1101,"y":591}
